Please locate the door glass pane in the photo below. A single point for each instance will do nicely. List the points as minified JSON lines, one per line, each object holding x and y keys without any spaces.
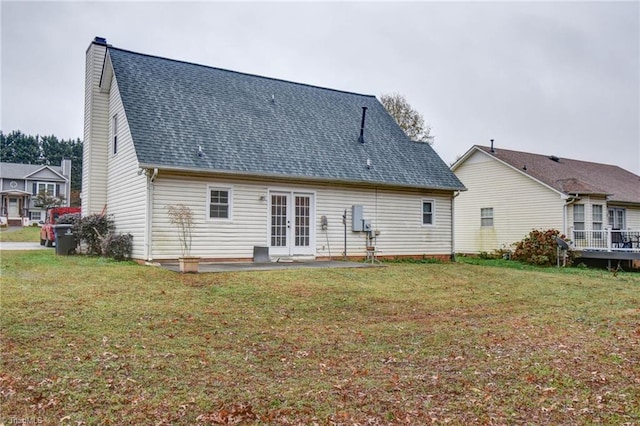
{"x":278,"y":220}
{"x":620,"y":218}
{"x":302,"y":218}
{"x":616,"y":218}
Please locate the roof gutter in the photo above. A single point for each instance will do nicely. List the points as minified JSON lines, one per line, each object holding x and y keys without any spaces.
{"x":297,"y":177}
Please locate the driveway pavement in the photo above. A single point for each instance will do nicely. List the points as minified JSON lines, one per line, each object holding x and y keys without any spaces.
{"x":21,"y":246}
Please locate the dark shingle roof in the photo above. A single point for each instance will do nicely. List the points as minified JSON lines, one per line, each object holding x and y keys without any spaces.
{"x":248,"y":124}
{"x":22,"y":171}
{"x":574,"y":176}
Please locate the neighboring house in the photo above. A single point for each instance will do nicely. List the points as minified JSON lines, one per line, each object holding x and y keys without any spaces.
{"x":511,"y":193}
{"x":261,"y":162}
{"x":20,"y":183}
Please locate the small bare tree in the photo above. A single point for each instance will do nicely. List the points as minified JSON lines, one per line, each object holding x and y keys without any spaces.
{"x":182,"y":216}
{"x":409,"y":120}
{"x":45,"y":201}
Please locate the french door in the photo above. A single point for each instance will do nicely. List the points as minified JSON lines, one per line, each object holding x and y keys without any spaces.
{"x":617,"y":218}
{"x":291,"y":219}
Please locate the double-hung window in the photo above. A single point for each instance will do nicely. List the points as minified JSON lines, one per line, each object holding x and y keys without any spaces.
{"x":48,"y":188}
{"x":486,"y":216}
{"x":578,"y":221}
{"x":428,"y":212}
{"x":597,"y":217}
{"x":219,"y":201}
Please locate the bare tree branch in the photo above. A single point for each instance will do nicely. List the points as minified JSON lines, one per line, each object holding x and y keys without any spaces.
{"x":409,"y":120}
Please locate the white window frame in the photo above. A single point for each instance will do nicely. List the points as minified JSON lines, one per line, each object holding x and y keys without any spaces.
{"x":433,"y":212}
{"x":34,"y":213}
{"x":579,"y":231}
{"x":46,"y":184}
{"x":597,"y":220}
{"x":612,"y":212}
{"x":484,"y":216}
{"x":597,"y":217}
{"x":229,"y":191}
{"x":114,"y":134}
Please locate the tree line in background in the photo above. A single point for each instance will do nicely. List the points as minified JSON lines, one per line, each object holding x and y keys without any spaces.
{"x":17,"y":147}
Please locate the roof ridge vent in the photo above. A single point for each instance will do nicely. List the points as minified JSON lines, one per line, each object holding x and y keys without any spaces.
{"x":554,"y":158}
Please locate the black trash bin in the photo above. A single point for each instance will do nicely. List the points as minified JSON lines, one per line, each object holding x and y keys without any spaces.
{"x":65,"y":239}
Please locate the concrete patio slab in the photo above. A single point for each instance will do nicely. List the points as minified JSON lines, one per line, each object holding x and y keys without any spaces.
{"x":270,"y":266}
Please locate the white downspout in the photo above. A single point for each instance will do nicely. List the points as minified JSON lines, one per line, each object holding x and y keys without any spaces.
{"x":149,"y":222}
{"x":453,"y":226}
{"x":565,"y":214}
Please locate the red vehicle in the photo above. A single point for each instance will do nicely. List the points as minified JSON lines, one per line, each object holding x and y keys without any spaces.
{"x":47,"y":236}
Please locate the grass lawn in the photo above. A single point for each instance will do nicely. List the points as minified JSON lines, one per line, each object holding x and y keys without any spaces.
{"x":92,"y":341}
{"x":25,"y":234}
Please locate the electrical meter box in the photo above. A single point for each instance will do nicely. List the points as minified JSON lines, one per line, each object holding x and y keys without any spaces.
{"x":356,"y":219}
{"x":366,"y":225}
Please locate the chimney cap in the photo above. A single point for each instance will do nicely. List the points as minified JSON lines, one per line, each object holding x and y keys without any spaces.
{"x":100,"y":40}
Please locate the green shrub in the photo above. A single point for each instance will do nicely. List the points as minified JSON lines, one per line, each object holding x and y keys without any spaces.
{"x":68,"y":219}
{"x":118,"y":246}
{"x":93,"y":229}
{"x":540,"y":248}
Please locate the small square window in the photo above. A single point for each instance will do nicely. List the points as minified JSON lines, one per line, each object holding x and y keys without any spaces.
{"x":219,"y":203}
{"x":428,"y":211}
{"x":486,"y":216}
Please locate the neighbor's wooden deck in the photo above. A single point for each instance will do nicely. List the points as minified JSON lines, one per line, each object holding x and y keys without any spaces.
{"x":606,"y":244}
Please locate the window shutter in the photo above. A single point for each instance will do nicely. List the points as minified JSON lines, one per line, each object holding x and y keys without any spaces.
{"x":35,"y":188}
{"x":57,"y":190}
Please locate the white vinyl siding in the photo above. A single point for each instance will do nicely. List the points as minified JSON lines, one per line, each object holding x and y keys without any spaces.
{"x":394,"y":213}
{"x":520,"y":204}
{"x":126,"y":191}
{"x":633,"y":218}
{"x":96,"y":135}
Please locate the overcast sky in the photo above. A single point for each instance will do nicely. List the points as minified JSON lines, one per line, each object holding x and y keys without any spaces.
{"x":544,"y":77}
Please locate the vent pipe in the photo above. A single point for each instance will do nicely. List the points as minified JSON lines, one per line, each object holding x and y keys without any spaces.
{"x":492,"y":150}
{"x":364,"y":113}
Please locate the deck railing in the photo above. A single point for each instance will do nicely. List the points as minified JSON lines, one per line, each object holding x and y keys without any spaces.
{"x":605,"y":240}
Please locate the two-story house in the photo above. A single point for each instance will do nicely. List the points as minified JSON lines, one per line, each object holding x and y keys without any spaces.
{"x":19,"y":185}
